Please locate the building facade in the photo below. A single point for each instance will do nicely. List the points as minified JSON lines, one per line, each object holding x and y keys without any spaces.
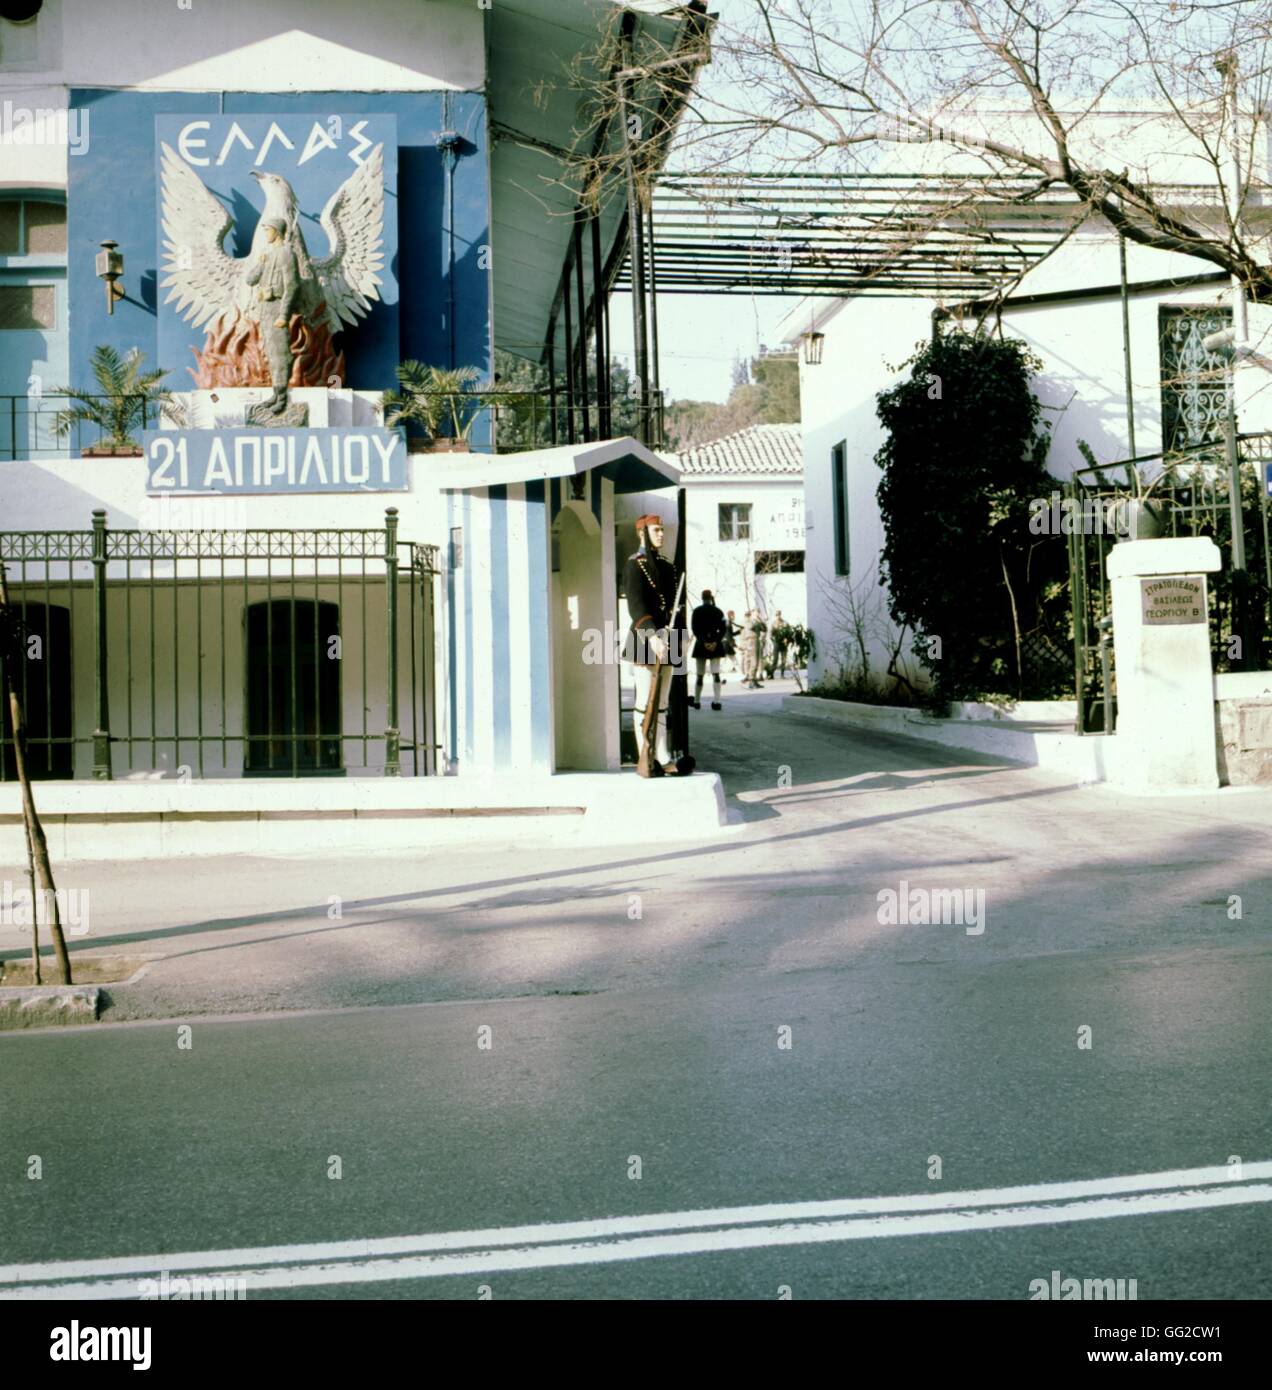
{"x":1068,"y":309}
{"x":278,"y":206}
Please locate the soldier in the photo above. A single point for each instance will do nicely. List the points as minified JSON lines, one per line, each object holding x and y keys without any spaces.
{"x":709,"y":629}
{"x":276,"y":275}
{"x":653,"y":646}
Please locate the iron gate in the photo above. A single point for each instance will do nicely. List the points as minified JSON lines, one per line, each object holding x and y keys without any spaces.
{"x":220,"y":653}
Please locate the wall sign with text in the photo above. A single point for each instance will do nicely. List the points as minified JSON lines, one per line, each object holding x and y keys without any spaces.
{"x":253,"y":460}
{"x":1175,"y":599}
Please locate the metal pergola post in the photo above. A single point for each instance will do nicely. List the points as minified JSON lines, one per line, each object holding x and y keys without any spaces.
{"x":635,"y":223}
{"x":569,"y":358}
{"x":582,"y":335}
{"x":600,"y":327}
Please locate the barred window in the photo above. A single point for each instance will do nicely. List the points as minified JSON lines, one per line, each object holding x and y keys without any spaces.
{"x":1194,"y":381}
{"x":735,"y":521}
{"x":779,"y":562}
{"x":293,"y":688}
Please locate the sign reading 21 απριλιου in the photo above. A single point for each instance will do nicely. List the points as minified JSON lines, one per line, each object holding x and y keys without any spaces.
{"x":254,"y":460}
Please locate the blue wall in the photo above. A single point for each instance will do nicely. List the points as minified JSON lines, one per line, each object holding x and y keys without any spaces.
{"x":113,"y":192}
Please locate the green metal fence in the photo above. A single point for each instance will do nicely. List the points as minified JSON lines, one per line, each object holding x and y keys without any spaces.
{"x":220,"y":653}
{"x":1195,"y":486}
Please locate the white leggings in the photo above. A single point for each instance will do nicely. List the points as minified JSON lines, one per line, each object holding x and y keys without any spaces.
{"x":702,"y":662}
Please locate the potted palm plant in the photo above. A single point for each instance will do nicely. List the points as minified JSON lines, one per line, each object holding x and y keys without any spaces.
{"x":127,"y":399}
{"x":440,"y":400}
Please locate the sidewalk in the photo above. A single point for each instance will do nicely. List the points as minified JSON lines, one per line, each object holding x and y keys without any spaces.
{"x":827,"y":819}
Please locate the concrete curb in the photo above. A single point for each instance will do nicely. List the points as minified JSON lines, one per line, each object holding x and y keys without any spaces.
{"x":44,"y":1006}
{"x":1048,"y":745}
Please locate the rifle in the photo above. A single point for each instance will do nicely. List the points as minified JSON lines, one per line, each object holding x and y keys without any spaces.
{"x":650,"y":719}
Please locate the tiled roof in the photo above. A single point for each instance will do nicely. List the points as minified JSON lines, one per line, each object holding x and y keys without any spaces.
{"x":761,"y":450}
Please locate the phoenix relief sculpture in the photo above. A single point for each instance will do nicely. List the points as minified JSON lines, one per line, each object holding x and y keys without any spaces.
{"x":271,"y":317}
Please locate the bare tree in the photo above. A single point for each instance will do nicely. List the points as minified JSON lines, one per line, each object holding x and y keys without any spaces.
{"x":1021,"y":103}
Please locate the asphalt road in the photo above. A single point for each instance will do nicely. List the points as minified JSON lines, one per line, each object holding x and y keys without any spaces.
{"x":662,"y":1039}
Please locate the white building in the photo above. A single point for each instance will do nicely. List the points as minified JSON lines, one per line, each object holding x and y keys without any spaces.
{"x":744,"y":498}
{"x":1068,"y":310}
{"x":744,"y":513}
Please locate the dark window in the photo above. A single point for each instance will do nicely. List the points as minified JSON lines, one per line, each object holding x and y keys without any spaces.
{"x":735,"y":521}
{"x":11,"y":228}
{"x":293,"y":687}
{"x":779,"y":562}
{"x":44,"y":685}
{"x":839,"y":477}
{"x":1195,"y":381}
{"x":29,"y":228}
{"x":27,"y":307}
{"x":45,"y":228}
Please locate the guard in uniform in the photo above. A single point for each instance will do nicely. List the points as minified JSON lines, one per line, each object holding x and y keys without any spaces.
{"x":654,"y":644}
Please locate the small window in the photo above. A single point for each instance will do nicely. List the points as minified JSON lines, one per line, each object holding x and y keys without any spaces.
{"x":779,"y":562}
{"x":45,"y":228}
{"x":11,"y":228}
{"x":27,"y":307}
{"x":19,"y":35}
{"x":735,"y":521}
{"x":839,"y":479}
{"x":31,"y":228}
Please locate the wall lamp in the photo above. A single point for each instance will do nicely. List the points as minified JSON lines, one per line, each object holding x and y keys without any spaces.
{"x":110,"y":267}
{"x":813,"y":344}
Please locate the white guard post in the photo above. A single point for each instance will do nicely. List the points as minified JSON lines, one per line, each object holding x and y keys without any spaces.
{"x":1161,"y":645}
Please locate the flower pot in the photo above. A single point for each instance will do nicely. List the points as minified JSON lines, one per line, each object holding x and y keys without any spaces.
{"x":111,"y":451}
{"x":1141,"y":518}
{"x":446,"y":446}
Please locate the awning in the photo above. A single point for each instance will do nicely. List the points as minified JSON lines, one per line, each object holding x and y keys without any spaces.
{"x":542,"y":65}
{"x":627,"y":462}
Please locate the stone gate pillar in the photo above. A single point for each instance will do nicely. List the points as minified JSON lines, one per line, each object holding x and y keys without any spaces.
{"x":1161,"y":646}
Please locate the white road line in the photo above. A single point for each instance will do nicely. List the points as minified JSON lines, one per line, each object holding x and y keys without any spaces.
{"x":643,"y":1237}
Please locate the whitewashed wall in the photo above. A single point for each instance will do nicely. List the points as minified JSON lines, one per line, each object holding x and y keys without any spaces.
{"x":1081,"y":386}
{"x":244,"y":45}
{"x":727,"y":568}
{"x":62,"y":494}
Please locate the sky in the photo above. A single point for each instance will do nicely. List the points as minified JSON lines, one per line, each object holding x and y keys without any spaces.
{"x":700,"y":336}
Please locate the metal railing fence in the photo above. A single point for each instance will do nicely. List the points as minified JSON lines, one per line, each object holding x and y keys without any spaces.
{"x":501,"y":421}
{"x":1195,"y":486}
{"x":224,"y":653}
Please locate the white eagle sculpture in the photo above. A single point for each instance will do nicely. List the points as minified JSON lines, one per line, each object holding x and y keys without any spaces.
{"x":211,"y":289}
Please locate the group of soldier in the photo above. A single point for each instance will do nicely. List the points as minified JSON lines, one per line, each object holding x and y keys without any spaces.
{"x":657,"y":608}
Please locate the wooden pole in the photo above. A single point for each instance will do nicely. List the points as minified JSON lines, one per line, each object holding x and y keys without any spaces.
{"x":36,"y":977}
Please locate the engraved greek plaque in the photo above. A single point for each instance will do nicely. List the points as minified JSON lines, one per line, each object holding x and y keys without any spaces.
{"x":1179,"y":598}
